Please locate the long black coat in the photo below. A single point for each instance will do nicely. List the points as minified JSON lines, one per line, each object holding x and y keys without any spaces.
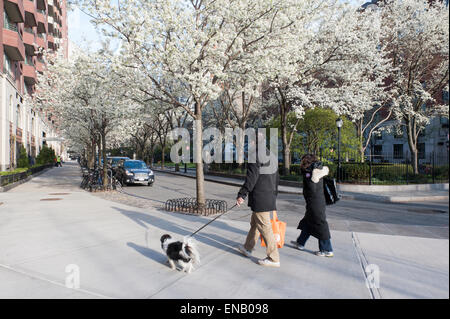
{"x":314,"y":220}
{"x":262,"y":189}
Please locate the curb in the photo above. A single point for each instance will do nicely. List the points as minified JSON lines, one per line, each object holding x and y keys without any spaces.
{"x":4,"y":189}
{"x":346,"y":196}
{"x":393,"y":199}
{"x":223,"y":182}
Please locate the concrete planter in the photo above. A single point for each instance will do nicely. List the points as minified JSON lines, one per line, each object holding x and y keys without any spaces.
{"x":8,"y":182}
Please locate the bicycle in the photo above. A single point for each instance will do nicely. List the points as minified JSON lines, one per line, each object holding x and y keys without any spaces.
{"x":93,"y":180}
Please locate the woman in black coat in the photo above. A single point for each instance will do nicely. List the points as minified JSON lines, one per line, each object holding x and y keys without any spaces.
{"x":315,"y":221}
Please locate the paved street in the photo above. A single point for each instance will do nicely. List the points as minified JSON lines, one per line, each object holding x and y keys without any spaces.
{"x":48,"y":226}
{"x":422,"y":219}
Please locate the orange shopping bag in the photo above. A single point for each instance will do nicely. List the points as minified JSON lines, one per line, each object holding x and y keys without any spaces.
{"x":279,"y":230}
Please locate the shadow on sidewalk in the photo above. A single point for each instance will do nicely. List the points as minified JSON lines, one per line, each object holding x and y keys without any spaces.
{"x":213,"y":240}
{"x":149,"y":253}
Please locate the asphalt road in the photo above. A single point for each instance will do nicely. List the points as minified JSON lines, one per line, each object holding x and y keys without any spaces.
{"x":421,"y":219}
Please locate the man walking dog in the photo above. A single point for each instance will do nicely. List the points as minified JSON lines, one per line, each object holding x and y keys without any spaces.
{"x":262,"y":191}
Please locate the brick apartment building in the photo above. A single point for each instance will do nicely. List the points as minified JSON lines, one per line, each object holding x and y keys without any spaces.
{"x":26,"y":26}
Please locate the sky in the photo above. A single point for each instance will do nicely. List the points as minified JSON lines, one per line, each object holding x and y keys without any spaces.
{"x":81,"y":31}
{"x":83,"y":34}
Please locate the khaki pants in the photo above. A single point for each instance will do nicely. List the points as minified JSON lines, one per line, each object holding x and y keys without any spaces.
{"x":260,"y":224}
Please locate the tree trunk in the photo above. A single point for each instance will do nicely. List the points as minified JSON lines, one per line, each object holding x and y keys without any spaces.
{"x":359,"y":132}
{"x":415,"y":161}
{"x":152,"y":155}
{"x":198,"y":143}
{"x":361,"y":153}
{"x":241,"y":143}
{"x":99,"y":153}
{"x":105,"y":166}
{"x":162,"y":156}
{"x":91,"y":155}
{"x":411,"y":132}
{"x":284,"y":138}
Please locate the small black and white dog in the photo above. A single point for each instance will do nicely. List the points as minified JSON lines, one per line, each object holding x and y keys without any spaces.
{"x":184,"y":253}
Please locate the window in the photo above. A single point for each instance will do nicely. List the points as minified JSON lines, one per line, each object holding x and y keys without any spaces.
{"x":8,"y":66}
{"x":8,"y":24}
{"x":377,"y":150}
{"x":18,"y":118}
{"x":398,"y":151}
{"x":421,"y":150}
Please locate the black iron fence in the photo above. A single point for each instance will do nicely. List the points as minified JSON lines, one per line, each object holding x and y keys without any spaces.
{"x":369,"y":169}
{"x":387,"y":168}
{"x":12,"y":178}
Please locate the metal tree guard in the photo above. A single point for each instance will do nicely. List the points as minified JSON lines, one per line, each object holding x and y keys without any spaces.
{"x":189,"y":205}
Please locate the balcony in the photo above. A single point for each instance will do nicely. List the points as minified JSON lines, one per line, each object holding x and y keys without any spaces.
{"x":40,"y":40}
{"x":28,"y":36}
{"x":13,"y":45}
{"x":40,"y":65}
{"x":15,"y":10}
{"x":30,"y":13}
{"x":42,"y":22}
{"x":29,"y":74}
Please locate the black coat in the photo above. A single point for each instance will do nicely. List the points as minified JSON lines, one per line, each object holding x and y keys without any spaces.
{"x":314,"y":220}
{"x":262,"y":189}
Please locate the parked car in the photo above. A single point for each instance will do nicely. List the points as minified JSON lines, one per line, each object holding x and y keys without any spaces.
{"x":114,"y":161}
{"x":134,"y":172}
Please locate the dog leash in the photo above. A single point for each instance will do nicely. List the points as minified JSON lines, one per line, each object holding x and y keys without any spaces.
{"x":211,"y":221}
{"x":123,"y":192}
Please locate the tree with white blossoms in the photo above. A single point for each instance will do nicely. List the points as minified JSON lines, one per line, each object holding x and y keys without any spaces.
{"x":142,"y":137}
{"x":416,"y":39}
{"x":193,"y":44}
{"x":331,"y":48}
{"x":84,"y":95}
{"x":354,"y":85}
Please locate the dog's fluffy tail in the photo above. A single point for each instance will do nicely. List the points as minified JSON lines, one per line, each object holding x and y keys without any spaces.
{"x":190,"y":247}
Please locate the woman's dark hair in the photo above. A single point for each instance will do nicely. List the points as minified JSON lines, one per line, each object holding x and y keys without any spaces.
{"x":307,"y":160}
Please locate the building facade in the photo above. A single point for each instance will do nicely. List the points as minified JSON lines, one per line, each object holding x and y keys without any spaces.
{"x":26,"y":27}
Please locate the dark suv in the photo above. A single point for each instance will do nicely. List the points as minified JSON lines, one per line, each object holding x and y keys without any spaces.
{"x":114,"y":161}
{"x":134,"y":172}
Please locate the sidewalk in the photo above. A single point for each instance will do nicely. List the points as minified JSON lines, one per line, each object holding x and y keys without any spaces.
{"x":351,"y":191}
{"x":47,"y":224}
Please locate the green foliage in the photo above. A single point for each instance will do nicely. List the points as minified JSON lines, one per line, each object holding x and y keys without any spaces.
{"x":317,"y":130}
{"x":392,"y":172}
{"x":318,"y":127}
{"x":46,"y":156}
{"x":23,"y":158}
{"x":441,"y":172}
{"x":17,"y":170}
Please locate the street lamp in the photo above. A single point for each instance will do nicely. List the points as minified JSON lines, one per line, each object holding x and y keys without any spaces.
{"x":339,"y":124}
